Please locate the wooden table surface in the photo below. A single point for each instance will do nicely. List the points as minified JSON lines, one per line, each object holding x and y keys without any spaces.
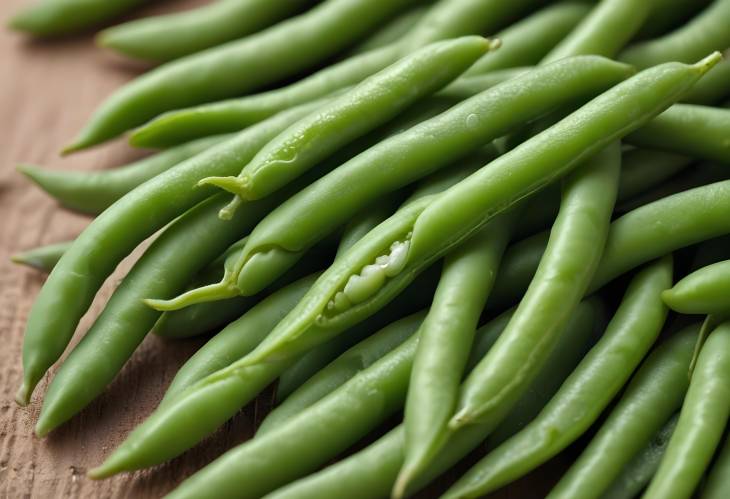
{"x":48,"y":91}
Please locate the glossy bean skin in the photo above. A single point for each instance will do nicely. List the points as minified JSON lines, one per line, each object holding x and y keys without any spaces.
{"x":471,"y":203}
{"x":692,"y":130}
{"x":236,"y":68}
{"x":365,"y":107}
{"x":717,"y":485}
{"x":605,"y":30}
{"x":339,"y":371}
{"x":181,"y":125}
{"x":411,"y":155}
{"x":587,"y":391}
{"x":42,"y":258}
{"x":527,"y":41}
{"x":445,"y":339}
{"x":570,"y":259}
{"x":94,"y":192}
{"x":704,"y":291}
{"x":653,"y":395}
{"x":167,"y":37}
{"x":701,"y":421}
{"x":371,"y":472}
{"x":71,"y":286}
{"x":702,"y":34}
{"x":61,"y":17}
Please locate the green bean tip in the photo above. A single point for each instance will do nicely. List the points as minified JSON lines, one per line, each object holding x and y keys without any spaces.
{"x":708,"y":62}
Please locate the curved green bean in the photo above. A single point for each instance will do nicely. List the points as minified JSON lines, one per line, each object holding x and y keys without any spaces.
{"x":697,"y":131}
{"x":42,"y":258}
{"x":237,"y":67}
{"x":718,"y":481}
{"x":653,"y":395}
{"x":702,"y":34}
{"x":72,"y":284}
{"x":162,"y":38}
{"x":701,"y":421}
{"x":370,"y":104}
{"x":61,"y":17}
{"x":704,"y":291}
{"x":93,"y":192}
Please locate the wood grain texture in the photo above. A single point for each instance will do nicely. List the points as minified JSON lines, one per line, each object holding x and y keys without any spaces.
{"x":48,"y":91}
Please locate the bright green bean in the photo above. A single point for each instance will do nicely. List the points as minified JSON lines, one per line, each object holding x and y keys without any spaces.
{"x":702,"y":34}
{"x":718,"y":481}
{"x":654,"y":394}
{"x":527,"y":41}
{"x":97,"y":251}
{"x":42,"y":258}
{"x":704,"y":291}
{"x":237,"y":67}
{"x":370,"y":104}
{"x":701,"y":421}
{"x":93,"y":192}
{"x":61,"y":17}
{"x":697,"y":131}
{"x":162,"y":38}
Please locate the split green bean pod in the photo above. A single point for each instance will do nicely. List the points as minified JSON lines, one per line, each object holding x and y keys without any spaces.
{"x":370,"y":104}
{"x":702,"y":420}
{"x":42,"y":258}
{"x":412,"y":154}
{"x":717,"y":485}
{"x":96,"y":252}
{"x":62,"y":17}
{"x":566,"y":268}
{"x":655,"y":393}
{"x":704,"y":291}
{"x":237,"y":67}
{"x":162,"y":38}
{"x":94,"y":192}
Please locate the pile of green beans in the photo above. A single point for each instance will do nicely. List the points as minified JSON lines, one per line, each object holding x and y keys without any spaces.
{"x":432,"y":226}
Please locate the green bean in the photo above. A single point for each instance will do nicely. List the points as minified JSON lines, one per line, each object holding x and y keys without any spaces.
{"x":698,"y":131}
{"x":371,"y":472}
{"x":72,"y":284}
{"x":61,"y":17}
{"x":718,"y":485}
{"x":375,"y":101}
{"x":340,"y":370}
{"x":605,"y":30}
{"x":420,"y":150}
{"x":125,"y":321}
{"x":468,"y":86}
{"x":638,"y":472}
{"x":713,"y":88}
{"x":571,"y":257}
{"x":393,"y":31}
{"x":162,"y":38}
{"x":704,"y":291}
{"x":704,"y":33}
{"x":653,"y":395}
{"x":701,"y":421}
{"x":93,"y":192}
{"x":181,"y":125}
{"x":42,"y":258}
{"x":527,"y":41}
{"x":237,"y":67}
{"x":444,"y":222}
{"x":445,"y":338}
{"x":587,"y":391}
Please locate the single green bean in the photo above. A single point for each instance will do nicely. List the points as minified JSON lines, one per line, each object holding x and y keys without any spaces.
{"x":370,"y":104}
{"x":704,"y":291}
{"x":61,"y":17}
{"x":94,"y":192}
{"x":697,"y":131}
{"x":42,"y":258}
{"x":393,"y":31}
{"x":468,"y":86}
{"x":654,"y":394}
{"x":702,"y":34}
{"x":162,"y":38}
{"x":718,"y":481}
{"x":527,"y":41}
{"x":701,"y":421}
{"x":97,"y":251}
{"x":237,"y":67}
